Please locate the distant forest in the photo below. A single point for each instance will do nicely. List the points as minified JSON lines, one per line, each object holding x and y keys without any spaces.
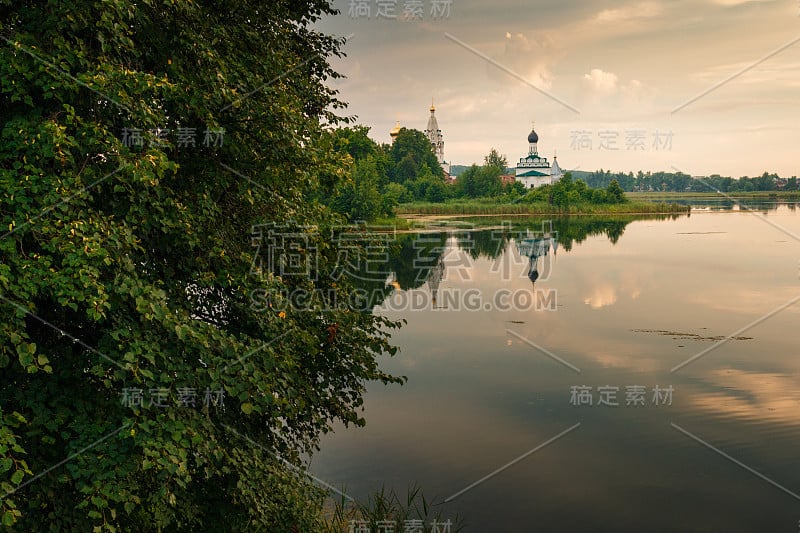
{"x":675,"y":181}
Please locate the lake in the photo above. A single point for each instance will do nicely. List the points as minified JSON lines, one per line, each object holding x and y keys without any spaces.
{"x":647,"y":379}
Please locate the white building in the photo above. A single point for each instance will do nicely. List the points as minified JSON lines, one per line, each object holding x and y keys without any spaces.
{"x":534,"y":170}
{"x":434,"y":134}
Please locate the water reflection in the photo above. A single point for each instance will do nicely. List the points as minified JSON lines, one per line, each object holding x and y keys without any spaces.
{"x":635,"y":298}
{"x":721,"y":203}
{"x":535,"y":246}
{"x":416,"y":260}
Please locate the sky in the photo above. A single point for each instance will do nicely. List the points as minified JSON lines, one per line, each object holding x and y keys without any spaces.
{"x":701,"y":86}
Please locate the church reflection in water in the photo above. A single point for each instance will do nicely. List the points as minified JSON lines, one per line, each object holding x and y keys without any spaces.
{"x":424,"y":261}
{"x":536,"y":245}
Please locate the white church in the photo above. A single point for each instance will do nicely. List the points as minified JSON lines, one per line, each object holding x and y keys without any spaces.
{"x":534,"y":170}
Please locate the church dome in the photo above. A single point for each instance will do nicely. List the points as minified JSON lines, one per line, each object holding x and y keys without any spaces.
{"x":533,"y":137}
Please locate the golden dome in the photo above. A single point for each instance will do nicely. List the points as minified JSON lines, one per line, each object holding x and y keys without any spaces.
{"x":396,"y":130}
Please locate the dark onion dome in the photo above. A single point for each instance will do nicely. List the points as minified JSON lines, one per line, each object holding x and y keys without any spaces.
{"x":533,"y":137}
{"x":533,"y":275}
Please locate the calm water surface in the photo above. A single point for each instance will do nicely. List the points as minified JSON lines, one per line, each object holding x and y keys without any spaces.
{"x":633,"y":301}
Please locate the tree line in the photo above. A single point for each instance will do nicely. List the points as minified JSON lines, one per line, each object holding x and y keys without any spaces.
{"x":681,"y":182}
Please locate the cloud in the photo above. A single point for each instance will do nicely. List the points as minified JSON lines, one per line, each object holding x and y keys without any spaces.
{"x":602,"y":92}
{"x":601,"y":296}
{"x":731,"y":3}
{"x":629,"y":13}
{"x":601,"y":81}
{"x":750,"y":395}
{"x":531,"y":58}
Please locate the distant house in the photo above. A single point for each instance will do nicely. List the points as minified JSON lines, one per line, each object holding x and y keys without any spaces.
{"x":508,"y":179}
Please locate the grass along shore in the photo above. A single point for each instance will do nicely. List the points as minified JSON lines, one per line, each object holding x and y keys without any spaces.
{"x":518,"y":208}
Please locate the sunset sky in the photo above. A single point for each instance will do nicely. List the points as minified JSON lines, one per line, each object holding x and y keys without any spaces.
{"x":615,"y":73}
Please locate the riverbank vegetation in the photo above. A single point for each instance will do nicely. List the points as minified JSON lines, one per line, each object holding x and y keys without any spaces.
{"x":566,"y":196}
{"x":142,"y":386}
{"x":536,"y":208}
{"x":405,"y":178}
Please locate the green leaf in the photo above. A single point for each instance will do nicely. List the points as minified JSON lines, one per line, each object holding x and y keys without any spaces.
{"x":247,"y":408}
{"x":16,"y":477}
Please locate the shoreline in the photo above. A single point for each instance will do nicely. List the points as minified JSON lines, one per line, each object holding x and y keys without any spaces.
{"x":417,"y":216}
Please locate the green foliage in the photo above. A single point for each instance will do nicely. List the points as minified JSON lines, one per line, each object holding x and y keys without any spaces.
{"x":478,"y":182}
{"x":566,"y":194}
{"x":615,"y":193}
{"x":359,"y":197}
{"x":397,"y":194}
{"x":514,"y":189}
{"x":355,"y":141}
{"x":494,"y":159}
{"x":412,"y":153}
{"x":435,"y":192}
{"x":377,"y":181}
{"x":144,"y":253}
{"x":406,"y":170}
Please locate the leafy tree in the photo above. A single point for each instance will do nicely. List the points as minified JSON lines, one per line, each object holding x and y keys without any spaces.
{"x":131,"y":268}
{"x":478,"y":182}
{"x":436,"y":192}
{"x":359,"y":198}
{"x":395,"y":194}
{"x":413,"y":145}
{"x":515,"y":189}
{"x":494,"y":159}
{"x":467,"y":183}
{"x":363,"y":195}
{"x":406,"y":169}
{"x":615,"y":192}
{"x":355,"y":141}
{"x":566,"y":192}
{"x":489,"y":182}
